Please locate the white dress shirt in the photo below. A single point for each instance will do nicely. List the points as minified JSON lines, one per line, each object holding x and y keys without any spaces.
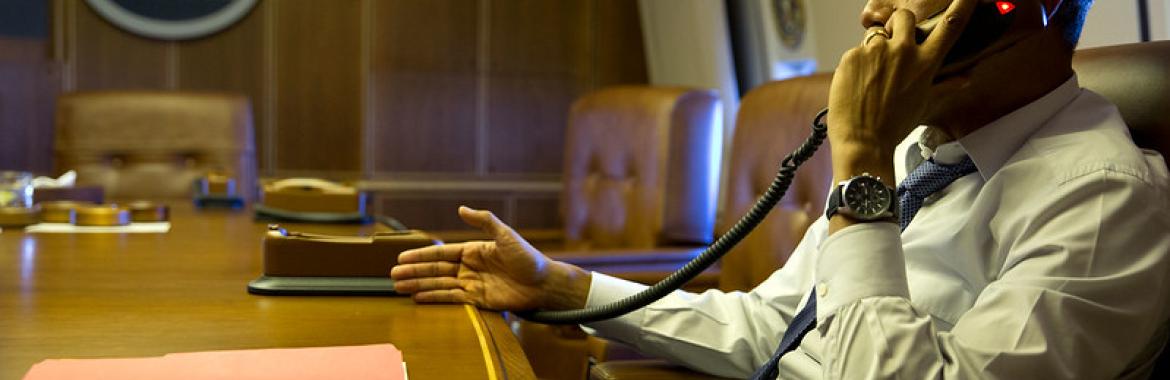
{"x":1053,"y":261}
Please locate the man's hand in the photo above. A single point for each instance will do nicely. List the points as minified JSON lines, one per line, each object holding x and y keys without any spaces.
{"x":504,"y":274}
{"x":880,"y":90}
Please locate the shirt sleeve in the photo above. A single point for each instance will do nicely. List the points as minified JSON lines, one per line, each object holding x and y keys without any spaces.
{"x":726,"y":334}
{"x":1079,"y":286}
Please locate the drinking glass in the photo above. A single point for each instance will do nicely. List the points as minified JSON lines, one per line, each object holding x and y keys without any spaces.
{"x":16,"y":189}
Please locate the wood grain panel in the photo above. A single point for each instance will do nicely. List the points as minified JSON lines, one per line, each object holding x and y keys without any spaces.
{"x":537,"y":212}
{"x":437,"y":213}
{"x":231,"y":61}
{"x":27,"y":99}
{"x":318,"y":85}
{"x":620,"y":57}
{"x":541,"y":59}
{"x":423,"y":68}
{"x":106,"y":57}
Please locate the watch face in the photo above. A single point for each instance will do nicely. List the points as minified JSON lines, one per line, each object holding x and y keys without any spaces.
{"x":867,"y":197}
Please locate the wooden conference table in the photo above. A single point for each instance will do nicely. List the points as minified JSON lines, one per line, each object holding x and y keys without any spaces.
{"x":134,"y":295}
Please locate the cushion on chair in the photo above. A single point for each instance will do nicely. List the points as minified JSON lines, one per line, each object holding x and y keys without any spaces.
{"x":640,"y":168}
{"x":142,"y":144}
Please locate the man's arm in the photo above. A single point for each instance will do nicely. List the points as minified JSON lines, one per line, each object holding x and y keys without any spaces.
{"x":725,"y":334}
{"x":718,"y":333}
{"x":1081,"y":292}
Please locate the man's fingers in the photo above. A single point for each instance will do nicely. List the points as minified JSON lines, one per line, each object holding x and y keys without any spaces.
{"x":442,"y":296}
{"x":446,"y":252}
{"x":948,"y":31}
{"x":426,"y":284}
{"x":901,"y":25}
{"x":422,"y":270}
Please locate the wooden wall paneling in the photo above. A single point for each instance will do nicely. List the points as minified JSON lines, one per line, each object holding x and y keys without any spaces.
{"x":540,"y":61}
{"x":27,"y":98}
{"x":106,"y":57}
{"x":232,"y":60}
{"x":437,"y":213}
{"x":424,"y":77}
{"x":319,"y":89}
{"x":537,"y":211}
{"x":620,"y":57}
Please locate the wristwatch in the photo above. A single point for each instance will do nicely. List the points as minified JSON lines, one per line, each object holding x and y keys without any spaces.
{"x":863,"y":198}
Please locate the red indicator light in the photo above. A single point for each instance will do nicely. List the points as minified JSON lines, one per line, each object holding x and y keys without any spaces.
{"x":1004,"y":7}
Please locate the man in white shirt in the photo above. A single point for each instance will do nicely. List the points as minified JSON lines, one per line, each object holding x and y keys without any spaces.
{"x":1041,"y":251}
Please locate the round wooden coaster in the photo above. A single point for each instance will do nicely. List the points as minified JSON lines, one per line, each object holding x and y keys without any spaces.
{"x":59,"y":211}
{"x":19,"y":216}
{"x":147,"y":211}
{"x":101,"y":215}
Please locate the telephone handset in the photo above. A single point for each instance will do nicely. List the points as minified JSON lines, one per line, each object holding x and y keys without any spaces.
{"x":990,"y":23}
{"x":309,"y":185}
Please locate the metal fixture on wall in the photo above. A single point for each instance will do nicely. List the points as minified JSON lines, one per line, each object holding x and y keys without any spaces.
{"x":790,"y":22}
{"x":172,"y":20}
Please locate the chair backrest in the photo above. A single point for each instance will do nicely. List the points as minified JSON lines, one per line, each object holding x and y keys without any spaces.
{"x":1136,"y":78}
{"x":641,"y":168}
{"x":773,"y":120}
{"x":153,"y":145}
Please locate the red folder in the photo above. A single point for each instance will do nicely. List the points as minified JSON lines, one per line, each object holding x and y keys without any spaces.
{"x":380,"y":361}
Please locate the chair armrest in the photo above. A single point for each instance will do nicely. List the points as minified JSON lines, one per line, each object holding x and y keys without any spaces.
{"x":643,"y":370}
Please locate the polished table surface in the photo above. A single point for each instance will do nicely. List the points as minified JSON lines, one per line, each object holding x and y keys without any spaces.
{"x":133,"y":295}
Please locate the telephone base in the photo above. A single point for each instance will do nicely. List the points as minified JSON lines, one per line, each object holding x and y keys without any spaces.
{"x":322,"y":286}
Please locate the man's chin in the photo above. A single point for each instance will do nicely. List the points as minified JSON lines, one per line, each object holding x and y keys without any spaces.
{"x":948,"y":90}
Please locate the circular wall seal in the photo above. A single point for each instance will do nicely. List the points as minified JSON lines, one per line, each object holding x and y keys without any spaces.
{"x":173,"y":19}
{"x":790,"y":22}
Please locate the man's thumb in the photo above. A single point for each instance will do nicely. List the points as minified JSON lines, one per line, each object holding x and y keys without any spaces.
{"x":482,"y":219}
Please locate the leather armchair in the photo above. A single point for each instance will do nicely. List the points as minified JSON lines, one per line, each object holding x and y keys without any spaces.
{"x":153,"y":145}
{"x":640,"y":181}
{"x":1135,"y":77}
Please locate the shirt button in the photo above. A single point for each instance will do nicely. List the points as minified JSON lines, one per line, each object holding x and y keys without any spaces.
{"x":822,"y":289}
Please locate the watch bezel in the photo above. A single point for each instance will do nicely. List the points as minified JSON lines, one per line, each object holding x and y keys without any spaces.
{"x":884,"y":197}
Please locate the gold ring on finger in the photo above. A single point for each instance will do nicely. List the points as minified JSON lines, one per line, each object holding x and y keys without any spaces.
{"x":874,"y":32}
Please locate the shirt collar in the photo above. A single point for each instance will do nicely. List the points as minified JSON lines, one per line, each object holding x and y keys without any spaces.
{"x":993,"y":144}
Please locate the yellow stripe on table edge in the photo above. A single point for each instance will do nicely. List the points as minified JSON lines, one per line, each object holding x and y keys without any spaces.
{"x":483,"y":345}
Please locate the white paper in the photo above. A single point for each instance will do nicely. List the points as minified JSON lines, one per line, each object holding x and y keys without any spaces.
{"x":65,"y":180}
{"x":132,"y":228}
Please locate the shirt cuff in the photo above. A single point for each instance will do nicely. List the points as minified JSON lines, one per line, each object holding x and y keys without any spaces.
{"x":860,"y":261}
{"x":604,"y":289}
